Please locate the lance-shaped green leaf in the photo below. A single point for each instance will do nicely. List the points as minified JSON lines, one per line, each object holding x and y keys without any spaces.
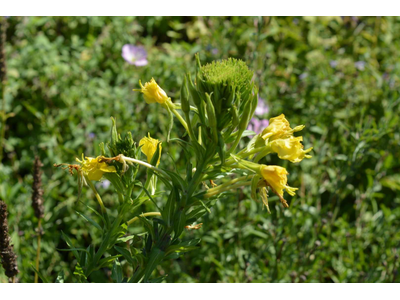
{"x":183,"y":247}
{"x":114,"y":133}
{"x":254,"y":103}
{"x":169,"y":208}
{"x":179,"y":223}
{"x":71,"y":246}
{"x":116,"y":272}
{"x":254,"y":183}
{"x":107,"y":261}
{"x":126,"y":254}
{"x":185,"y":105}
{"x":193,"y":92}
{"x":88,"y":219}
{"x":212,"y":119}
{"x":235,"y":116}
{"x":170,"y":121}
{"x":155,"y":258}
{"x":245,"y":117}
{"x":40,"y":274}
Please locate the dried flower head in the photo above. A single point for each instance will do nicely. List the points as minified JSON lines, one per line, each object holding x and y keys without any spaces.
{"x":7,"y":255}
{"x":37,"y":194}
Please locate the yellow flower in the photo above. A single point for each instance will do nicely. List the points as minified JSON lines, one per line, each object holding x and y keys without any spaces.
{"x":94,"y":169}
{"x":290,"y":149}
{"x":152,"y":92}
{"x":150,"y":147}
{"x":276,"y":177}
{"x":279,"y":127}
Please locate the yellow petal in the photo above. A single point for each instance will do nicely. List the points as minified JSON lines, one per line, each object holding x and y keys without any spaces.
{"x":149,"y":147}
{"x":152,"y":92}
{"x":276,"y":177}
{"x":290,"y":149}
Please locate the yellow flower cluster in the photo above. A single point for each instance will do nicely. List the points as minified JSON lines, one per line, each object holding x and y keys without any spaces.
{"x":152,"y":92}
{"x":94,"y":169}
{"x":279,"y":136}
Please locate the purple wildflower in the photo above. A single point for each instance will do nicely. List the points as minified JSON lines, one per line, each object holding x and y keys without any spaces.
{"x":360,"y":65}
{"x":303,"y":76}
{"x":105,"y":183}
{"x":135,"y":55}
{"x":262,"y":108}
{"x":214,"y":51}
{"x":92,"y":135}
{"x":333,"y":63}
{"x":257,"y":125}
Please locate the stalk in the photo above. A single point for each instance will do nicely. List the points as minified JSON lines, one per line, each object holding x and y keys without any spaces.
{"x":217,"y":190}
{"x":38,"y":250}
{"x":145,"y":164}
{"x":3,"y":81}
{"x":103,"y":208}
{"x":38,"y":207}
{"x":149,"y":214}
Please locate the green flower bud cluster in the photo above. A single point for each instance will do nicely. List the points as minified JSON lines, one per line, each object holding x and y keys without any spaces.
{"x":225,"y":98}
{"x":232,"y":92}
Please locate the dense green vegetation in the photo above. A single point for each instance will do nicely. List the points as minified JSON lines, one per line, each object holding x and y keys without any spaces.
{"x":338,"y":76}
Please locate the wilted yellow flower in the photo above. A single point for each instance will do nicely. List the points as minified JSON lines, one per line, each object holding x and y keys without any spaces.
{"x":152,"y":92}
{"x":94,"y":169}
{"x":279,"y":128}
{"x":276,"y":177}
{"x":290,"y":149}
{"x":150,"y":147}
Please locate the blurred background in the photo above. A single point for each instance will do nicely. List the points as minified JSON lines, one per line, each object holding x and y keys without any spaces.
{"x":339,"y":76}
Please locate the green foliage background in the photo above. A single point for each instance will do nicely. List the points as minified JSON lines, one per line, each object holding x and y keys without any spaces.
{"x":338,"y":76}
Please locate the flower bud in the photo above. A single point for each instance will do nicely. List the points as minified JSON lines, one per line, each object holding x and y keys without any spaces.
{"x":212,"y":119}
{"x":149,"y":147}
{"x":152,"y":92}
{"x":185,"y":97}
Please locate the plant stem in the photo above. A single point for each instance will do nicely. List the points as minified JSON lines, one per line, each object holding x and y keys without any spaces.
{"x":38,"y":250}
{"x":179,"y":106}
{"x":237,"y":140}
{"x":229,"y":184}
{"x":226,"y":188}
{"x":3,"y":82}
{"x":190,"y":132}
{"x":243,"y":154}
{"x":149,"y":214}
{"x":145,"y":164}
{"x":178,"y":115}
{"x":103,"y":209}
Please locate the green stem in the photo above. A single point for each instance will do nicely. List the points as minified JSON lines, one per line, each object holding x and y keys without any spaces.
{"x":149,"y":214}
{"x":192,"y":108}
{"x":237,"y":140}
{"x":243,"y":154}
{"x":103,"y":209}
{"x":178,"y":115}
{"x":216,"y":191}
{"x":38,"y":250}
{"x":190,"y":132}
{"x":145,"y":164}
